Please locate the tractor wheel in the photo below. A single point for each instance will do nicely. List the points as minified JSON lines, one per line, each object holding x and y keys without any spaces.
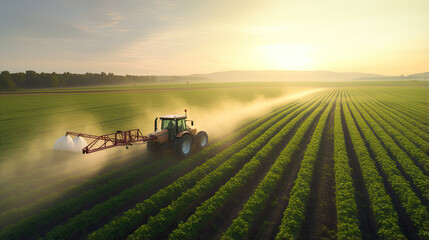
{"x":183,"y":146}
{"x":152,"y":147}
{"x":201,"y":140}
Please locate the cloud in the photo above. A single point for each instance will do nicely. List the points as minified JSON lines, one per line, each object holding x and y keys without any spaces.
{"x":115,"y":18}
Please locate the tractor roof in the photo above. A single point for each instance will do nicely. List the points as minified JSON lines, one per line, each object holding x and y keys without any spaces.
{"x":173,"y":117}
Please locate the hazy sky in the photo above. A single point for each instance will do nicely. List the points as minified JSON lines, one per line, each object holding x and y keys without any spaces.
{"x":185,"y":37}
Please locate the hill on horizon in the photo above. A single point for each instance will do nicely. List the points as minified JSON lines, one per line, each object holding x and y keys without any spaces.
{"x":292,"y":76}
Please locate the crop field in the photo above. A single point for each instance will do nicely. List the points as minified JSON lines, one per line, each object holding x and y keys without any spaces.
{"x":338,"y":162}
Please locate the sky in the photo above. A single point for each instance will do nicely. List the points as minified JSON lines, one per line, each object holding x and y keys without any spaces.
{"x":183,"y":37}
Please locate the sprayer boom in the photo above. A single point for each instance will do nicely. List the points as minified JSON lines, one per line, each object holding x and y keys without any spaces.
{"x":120,"y":138}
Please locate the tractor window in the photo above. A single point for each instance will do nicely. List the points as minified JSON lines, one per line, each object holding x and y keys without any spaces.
{"x":169,"y":124}
{"x":181,"y":125}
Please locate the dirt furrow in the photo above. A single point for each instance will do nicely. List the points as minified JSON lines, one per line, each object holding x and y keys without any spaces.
{"x":321,"y":215}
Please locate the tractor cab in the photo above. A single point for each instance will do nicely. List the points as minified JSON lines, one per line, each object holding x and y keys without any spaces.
{"x":175,"y":124}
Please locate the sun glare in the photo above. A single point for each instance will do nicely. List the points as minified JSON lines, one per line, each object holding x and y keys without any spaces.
{"x":286,"y":56}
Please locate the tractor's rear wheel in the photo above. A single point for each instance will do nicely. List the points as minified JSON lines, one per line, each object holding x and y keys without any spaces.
{"x":201,"y":140}
{"x":183,"y":146}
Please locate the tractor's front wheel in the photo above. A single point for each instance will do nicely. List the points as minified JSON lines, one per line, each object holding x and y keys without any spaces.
{"x":183,"y":146}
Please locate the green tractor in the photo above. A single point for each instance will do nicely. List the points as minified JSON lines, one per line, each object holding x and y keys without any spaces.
{"x":177,"y":135}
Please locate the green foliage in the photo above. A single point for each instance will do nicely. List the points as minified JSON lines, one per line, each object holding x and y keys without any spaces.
{"x":387,"y":136}
{"x":6,"y":83}
{"x":411,"y":203}
{"x":399,"y":125}
{"x":347,"y":212}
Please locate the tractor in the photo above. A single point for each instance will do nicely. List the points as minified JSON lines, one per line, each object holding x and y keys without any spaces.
{"x":174,"y":133}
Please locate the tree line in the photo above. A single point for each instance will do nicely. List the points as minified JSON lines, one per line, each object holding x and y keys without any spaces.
{"x":31,"y":79}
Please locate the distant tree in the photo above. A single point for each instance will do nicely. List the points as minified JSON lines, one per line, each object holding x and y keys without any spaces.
{"x":54,"y":81}
{"x":6,"y":83}
{"x":19,"y":79}
{"x":32,"y":79}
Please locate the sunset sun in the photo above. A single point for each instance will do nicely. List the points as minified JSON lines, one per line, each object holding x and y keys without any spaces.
{"x":285,"y":56}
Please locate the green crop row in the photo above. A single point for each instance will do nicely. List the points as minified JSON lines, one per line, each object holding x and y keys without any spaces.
{"x":400,"y":103}
{"x":382,"y":207}
{"x":411,"y":203}
{"x":190,"y":229}
{"x":403,"y":120}
{"x":400,"y":115}
{"x":133,"y":218}
{"x":420,"y":180}
{"x":416,"y":127}
{"x":30,"y":225}
{"x":401,"y":127}
{"x":412,"y":106}
{"x":347,"y":212}
{"x":293,"y":216}
{"x":159,"y":223}
{"x":411,"y":109}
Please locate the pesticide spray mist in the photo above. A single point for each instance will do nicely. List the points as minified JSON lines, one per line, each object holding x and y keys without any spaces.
{"x":39,"y":162}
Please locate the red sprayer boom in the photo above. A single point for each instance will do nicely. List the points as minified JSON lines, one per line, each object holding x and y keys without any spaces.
{"x":120,"y":138}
